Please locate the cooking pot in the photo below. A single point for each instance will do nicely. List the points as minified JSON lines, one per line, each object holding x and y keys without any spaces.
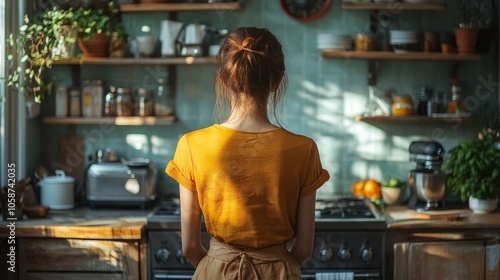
{"x":428,"y":184}
{"x":58,"y":192}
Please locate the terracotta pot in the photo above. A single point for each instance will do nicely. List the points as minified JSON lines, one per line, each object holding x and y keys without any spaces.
{"x":466,"y":40}
{"x":97,"y":46}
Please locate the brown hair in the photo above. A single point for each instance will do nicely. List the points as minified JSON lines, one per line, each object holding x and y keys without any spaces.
{"x":250,"y":62}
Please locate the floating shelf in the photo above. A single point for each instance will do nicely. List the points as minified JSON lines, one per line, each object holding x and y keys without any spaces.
{"x":394,"y":6}
{"x":412,"y":119}
{"x":178,"y":7}
{"x":137,"y":61}
{"x":384,"y":55}
{"x":168,"y":120}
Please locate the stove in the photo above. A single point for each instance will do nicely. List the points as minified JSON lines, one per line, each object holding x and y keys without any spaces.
{"x":349,"y":241}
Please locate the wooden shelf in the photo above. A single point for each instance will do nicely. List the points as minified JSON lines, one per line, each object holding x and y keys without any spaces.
{"x":412,"y":119}
{"x":178,"y":7}
{"x":168,"y":120}
{"x":400,"y":6}
{"x":137,"y":61}
{"x":383,"y":55}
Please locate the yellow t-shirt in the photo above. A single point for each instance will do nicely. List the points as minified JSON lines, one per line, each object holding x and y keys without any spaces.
{"x":248,"y":184}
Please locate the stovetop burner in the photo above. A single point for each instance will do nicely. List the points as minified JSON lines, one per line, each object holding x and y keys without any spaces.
{"x":343,"y":208}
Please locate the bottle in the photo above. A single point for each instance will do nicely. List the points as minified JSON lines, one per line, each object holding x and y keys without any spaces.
{"x":425,"y":94}
{"x":97,"y":97}
{"x":164,"y":100}
{"x":124,"y":103}
{"x":61,"y":101}
{"x":74,"y":103}
{"x":455,"y":105}
{"x":144,"y":104}
{"x":110,"y":102}
{"x":87,"y":98}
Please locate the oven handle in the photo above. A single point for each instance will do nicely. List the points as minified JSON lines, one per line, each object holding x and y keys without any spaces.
{"x":357,"y":275}
{"x":172,"y":276}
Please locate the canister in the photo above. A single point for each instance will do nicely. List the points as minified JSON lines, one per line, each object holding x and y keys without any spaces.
{"x":58,"y":192}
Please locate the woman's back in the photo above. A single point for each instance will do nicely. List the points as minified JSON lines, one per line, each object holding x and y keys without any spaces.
{"x":248,"y":183}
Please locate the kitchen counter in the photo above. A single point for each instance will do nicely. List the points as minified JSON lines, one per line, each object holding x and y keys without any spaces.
{"x":400,"y":217}
{"x":83,"y":222}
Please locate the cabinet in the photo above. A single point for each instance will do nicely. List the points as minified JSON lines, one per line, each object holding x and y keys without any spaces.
{"x":169,"y":62}
{"x":374,"y":56}
{"x":58,"y":258}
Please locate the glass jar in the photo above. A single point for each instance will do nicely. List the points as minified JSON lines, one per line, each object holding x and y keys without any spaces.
{"x":144,"y":104}
{"x":110,"y":102}
{"x":164,"y":99}
{"x":402,"y":106}
{"x":124,"y":103}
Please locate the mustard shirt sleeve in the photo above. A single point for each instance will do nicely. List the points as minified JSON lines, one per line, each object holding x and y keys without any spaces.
{"x":316,"y":175}
{"x":180,"y":168}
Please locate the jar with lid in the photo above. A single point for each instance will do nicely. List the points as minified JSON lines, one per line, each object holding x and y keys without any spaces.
{"x":425,"y":95}
{"x":110,"y":102}
{"x":164,"y":99}
{"x":144,"y":104}
{"x":86,"y":103}
{"x":124,"y":103}
{"x":402,"y":105}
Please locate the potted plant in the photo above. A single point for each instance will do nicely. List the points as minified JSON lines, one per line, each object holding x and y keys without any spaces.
{"x":470,"y":18}
{"x":48,"y":37}
{"x":473,"y":170}
{"x":94,"y":28}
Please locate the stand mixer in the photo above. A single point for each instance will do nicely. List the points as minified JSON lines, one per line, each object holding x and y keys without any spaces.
{"x":427,"y":182}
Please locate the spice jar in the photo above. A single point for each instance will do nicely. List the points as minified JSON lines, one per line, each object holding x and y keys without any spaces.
{"x":124,"y":103}
{"x":110,"y":102}
{"x":402,"y":106}
{"x":144,"y":104}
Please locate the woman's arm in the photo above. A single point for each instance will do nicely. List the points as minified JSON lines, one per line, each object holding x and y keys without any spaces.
{"x":192,"y":248}
{"x":304,"y":232}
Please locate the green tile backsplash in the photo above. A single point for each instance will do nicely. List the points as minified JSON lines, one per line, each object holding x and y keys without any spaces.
{"x":323,"y":95}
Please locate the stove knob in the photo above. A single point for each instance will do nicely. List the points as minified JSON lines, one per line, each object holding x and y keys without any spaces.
{"x":180,"y":257}
{"x":325,"y":254}
{"x":344,"y":254}
{"x":162,"y":255}
{"x":366,"y":255}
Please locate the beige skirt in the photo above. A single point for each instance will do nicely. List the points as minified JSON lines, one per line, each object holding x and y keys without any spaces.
{"x":227,"y":262}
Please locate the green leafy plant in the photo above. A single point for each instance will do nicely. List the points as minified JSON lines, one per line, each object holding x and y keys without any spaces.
{"x":37,"y":45}
{"x":473,"y":167}
{"x":92,"y":22}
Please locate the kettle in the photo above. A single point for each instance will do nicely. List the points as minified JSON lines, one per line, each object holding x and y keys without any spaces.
{"x":168,"y":35}
{"x":190,"y":39}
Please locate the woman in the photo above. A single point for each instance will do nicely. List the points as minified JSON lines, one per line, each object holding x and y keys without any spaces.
{"x":254,"y":182}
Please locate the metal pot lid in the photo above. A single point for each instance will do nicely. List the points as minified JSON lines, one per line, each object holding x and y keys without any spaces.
{"x":60,"y":177}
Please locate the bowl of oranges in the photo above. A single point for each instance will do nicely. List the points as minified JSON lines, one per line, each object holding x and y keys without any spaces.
{"x":369,"y":188}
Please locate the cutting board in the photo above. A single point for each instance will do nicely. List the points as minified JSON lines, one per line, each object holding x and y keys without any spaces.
{"x":71,"y":156}
{"x":440,"y":215}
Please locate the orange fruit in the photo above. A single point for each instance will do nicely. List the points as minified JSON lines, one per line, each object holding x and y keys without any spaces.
{"x":357,"y":188}
{"x":372,"y":189}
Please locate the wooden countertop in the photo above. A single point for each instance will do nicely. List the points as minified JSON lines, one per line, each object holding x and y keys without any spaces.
{"x":83,"y":223}
{"x":400,"y":217}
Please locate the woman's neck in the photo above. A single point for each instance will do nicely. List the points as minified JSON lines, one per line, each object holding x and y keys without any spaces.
{"x":249,"y":120}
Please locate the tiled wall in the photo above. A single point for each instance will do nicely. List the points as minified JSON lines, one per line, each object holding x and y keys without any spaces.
{"x":323,"y":95}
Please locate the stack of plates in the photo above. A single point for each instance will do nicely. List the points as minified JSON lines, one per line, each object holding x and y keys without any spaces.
{"x":334,"y":41}
{"x":404,"y":40}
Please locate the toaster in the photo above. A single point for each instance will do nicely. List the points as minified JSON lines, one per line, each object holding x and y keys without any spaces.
{"x":120,"y":185}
